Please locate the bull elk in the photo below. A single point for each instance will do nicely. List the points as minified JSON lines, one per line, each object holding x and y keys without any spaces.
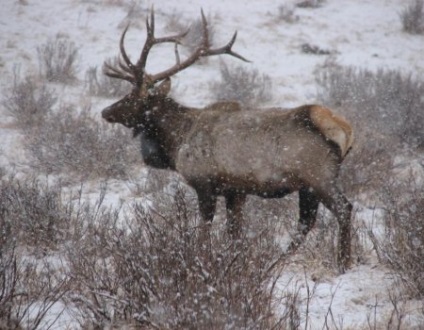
{"x":223,"y":151}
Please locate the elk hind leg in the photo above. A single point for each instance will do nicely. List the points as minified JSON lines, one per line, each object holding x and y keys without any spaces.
{"x":338,"y":204}
{"x":234,"y":204}
{"x":308,"y":209}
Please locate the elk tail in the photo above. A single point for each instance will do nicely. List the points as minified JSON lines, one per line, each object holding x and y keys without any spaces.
{"x":333,"y":127}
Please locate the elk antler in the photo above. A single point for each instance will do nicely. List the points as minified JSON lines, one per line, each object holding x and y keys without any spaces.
{"x":135,"y":73}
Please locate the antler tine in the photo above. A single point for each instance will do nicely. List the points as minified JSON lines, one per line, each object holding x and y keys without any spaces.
{"x":121,"y":73}
{"x":205,"y":41}
{"x":227,"y":50}
{"x":124,"y":70}
{"x":135,"y":73}
{"x":151,"y":40}
{"x":122,"y":48}
{"x":203,"y":50}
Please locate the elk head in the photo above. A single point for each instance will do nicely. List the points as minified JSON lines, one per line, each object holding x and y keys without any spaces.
{"x":131,"y":110}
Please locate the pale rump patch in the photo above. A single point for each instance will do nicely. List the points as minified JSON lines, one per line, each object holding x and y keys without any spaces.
{"x":334,"y":127}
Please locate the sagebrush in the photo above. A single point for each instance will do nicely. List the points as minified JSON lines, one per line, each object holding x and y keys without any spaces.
{"x":72,"y":141}
{"x":28,"y":101}
{"x":247,"y":86}
{"x":157,"y":271}
{"x":412,"y":17}
{"x":58,"y":60}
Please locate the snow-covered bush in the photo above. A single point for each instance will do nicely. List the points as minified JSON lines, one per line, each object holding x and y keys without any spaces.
{"x":32,"y":214}
{"x":385,"y":108}
{"x":194,"y":29}
{"x":27,"y":101}
{"x":105,"y":86}
{"x":72,"y":142}
{"x":412,"y":17}
{"x":310,"y":3}
{"x":385,"y":101}
{"x":58,"y":59}
{"x":246,"y":86}
{"x":286,"y":13}
{"x":403,"y":245}
{"x":159,"y":270}
{"x":32,"y":218}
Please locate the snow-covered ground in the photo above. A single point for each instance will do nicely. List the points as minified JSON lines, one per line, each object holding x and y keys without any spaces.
{"x":363,"y":33}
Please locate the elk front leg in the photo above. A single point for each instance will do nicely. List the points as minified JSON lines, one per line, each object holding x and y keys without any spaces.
{"x":234,"y":204}
{"x":308,"y":209}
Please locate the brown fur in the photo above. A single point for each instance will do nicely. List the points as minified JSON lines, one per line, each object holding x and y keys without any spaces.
{"x":223,"y":150}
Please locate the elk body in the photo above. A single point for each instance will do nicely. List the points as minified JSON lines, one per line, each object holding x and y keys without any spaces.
{"x":224,"y":151}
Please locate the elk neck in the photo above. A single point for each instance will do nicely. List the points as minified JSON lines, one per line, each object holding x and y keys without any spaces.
{"x":165,"y":125}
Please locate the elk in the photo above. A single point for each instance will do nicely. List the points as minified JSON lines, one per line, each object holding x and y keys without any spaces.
{"x":222,"y":150}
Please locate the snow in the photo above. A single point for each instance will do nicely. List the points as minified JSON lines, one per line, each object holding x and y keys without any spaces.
{"x":363,"y":33}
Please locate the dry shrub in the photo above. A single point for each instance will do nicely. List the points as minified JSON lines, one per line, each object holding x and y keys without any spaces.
{"x":195,"y":31}
{"x":310,"y":3}
{"x":28,"y":292}
{"x":385,"y":101}
{"x":32,"y":213}
{"x":412,"y":17}
{"x":72,"y":142}
{"x":365,"y":168}
{"x":385,"y":108}
{"x":31,"y":216}
{"x":286,"y":13}
{"x":403,"y":245}
{"x":105,"y":86}
{"x":156,"y":270}
{"x":57,"y":60}
{"x":28,"y":102}
{"x":135,"y":11}
{"x":246,"y":86}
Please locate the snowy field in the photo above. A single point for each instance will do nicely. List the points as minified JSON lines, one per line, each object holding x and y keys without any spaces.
{"x":363,"y":33}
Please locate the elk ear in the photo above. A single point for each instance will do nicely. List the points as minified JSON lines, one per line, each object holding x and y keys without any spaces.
{"x":163,"y":88}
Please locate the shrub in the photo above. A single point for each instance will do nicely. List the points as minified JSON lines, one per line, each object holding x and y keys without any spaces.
{"x":27,"y":102}
{"x":195,"y":31}
{"x":72,"y":142}
{"x":31,"y":216}
{"x":248,"y":87}
{"x":104,"y":85}
{"x":31,"y":213}
{"x":412,"y":17}
{"x":403,"y":244}
{"x":157,"y":271}
{"x":310,"y":3}
{"x":287,"y":14}
{"x":57,"y":60}
{"x":134,"y":12}
{"x":27,"y":293}
{"x":386,"y":101}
